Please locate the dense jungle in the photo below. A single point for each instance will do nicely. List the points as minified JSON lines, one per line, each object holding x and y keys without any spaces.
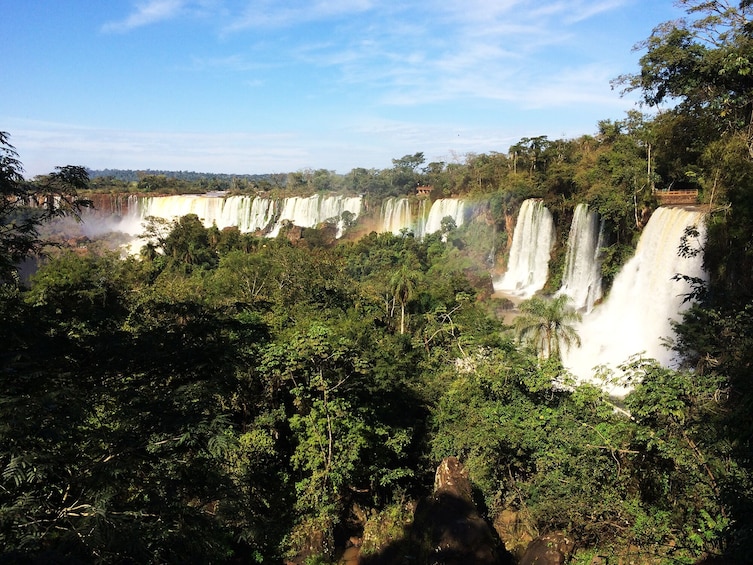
{"x":223,"y":397}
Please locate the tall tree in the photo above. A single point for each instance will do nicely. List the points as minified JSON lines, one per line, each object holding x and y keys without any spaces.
{"x":404,"y":283}
{"x":547,"y":323}
{"x":704,"y":62}
{"x":25,"y":206}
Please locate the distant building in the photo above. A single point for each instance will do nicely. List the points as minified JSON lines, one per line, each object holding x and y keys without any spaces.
{"x":424,"y":190}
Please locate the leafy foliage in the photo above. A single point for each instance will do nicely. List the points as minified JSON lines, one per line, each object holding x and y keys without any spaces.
{"x":229,"y":398}
{"x":25,"y":206}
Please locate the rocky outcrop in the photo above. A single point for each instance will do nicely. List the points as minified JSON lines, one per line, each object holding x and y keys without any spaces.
{"x":516,"y":530}
{"x":449,"y":527}
{"x":106,"y":204}
{"x":551,"y":549}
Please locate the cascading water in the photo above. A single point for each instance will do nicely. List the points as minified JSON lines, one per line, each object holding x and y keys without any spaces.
{"x":251,"y":214}
{"x":207,"y":208}
{"x":532,"y":241}
{"x":440,"y":209}
{"x":581,"y":280}
{"x":637,"y":314}
{"x":396,"y":215}
{"x":248,"y":213}
{"x":308,"y":212}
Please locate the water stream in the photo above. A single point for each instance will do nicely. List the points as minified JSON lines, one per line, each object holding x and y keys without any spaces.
{"x":528,"y":266}
{"x":581,"y":279}
{"x":644,"y":300}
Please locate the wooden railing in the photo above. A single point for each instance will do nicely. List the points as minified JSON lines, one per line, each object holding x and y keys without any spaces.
{"x":677,"y":197}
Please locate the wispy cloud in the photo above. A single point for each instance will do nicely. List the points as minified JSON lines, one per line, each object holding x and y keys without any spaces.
{"x":427,"y":50}
{"x":409,"y":53}
{"x":586,"y":10}
{"x":146,"y":13}
{"x":271,"y":14}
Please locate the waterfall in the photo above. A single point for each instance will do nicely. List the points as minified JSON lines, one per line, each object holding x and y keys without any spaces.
{"x":307,"y":212}
{"x":247,"y":213}
{"x":266,"y":215}
{"x":581,"y":280}
{"x":440,"y":209}
{"x":169,"y":207}
{"x":637,"y":314}
{"x":396,"y":215}
{"x":528,"y":266}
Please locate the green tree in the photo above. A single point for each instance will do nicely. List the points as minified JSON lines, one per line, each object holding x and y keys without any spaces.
{"x":704,"y":62}
{"x":546,"y":324}
{"x":343,"y":442}
{"x":404,"y":284}
{"x":405,"y":174}
{"x":188,"y":244}
{"x":25,"y":206}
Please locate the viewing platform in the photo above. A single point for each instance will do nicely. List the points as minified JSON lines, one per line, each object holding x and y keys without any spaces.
{"x":677,"y":197}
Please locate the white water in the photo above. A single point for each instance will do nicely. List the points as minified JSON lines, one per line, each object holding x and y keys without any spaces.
{"x":637,"y":314}
{"x":440,"y":209}
{"x":395,"y":215}
{"x":260,"y":214}
{"x":311,"y":211}
{"x":247,"y":213}
{"x":528,"y":266}
{"x":581,"y":280}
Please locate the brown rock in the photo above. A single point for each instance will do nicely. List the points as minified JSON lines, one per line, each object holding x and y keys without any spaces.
{"x":452,"y":478}
{"x":551,"y":549}
{"x":515,"y":531}
{"x":449,"y":527}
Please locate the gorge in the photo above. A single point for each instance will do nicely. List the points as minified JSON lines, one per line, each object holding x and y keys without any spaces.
{"x":635,"y":318}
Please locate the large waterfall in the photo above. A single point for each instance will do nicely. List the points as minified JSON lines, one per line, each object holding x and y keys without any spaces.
{"x":268,"y":215}
{"x":528,"y":266}
{"x":581,"y":280}
{"x":248,"y":213}
{"x":308,"y":212}
{"x":396,"y":215}
{"x":442,"y":208}
{"x":637,"y":314}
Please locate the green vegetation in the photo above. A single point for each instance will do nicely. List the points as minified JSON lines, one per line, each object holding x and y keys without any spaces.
{"x":226,"y":398}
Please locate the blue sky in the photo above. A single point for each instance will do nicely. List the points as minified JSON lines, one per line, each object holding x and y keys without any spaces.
{"x":261,"y":86}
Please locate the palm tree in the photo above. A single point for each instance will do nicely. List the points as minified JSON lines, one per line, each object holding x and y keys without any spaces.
{"x":546,"y":324}
{"x":404,"y":284}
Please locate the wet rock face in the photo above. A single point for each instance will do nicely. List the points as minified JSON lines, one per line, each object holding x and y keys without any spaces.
{"x":449,"y":525}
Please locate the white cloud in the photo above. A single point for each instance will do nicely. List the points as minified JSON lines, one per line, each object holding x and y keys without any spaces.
{"x":146,"y":13}
{"x":365,"y":142}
